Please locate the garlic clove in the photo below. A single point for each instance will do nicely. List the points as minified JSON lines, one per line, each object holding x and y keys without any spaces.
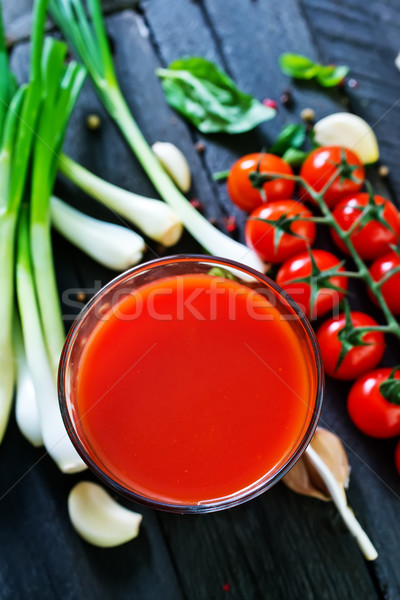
{"x":304,"y":479}
{"x":98,"y":518}
{"x":175,"y":164}
{"x":351,"y":131}
{"x":329,"y":447}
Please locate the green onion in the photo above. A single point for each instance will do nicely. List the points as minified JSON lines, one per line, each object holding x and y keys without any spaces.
{"x":17,"y":121}
{"x":60,"y":86}
{"x":26,"y":408}
{"x":89,"y":41}
{"x":155,"y":218}
{"x":55,"y":437}
{"x":114,"y":246}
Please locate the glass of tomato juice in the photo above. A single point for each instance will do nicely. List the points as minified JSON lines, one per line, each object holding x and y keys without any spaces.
{"x":191,"y":384}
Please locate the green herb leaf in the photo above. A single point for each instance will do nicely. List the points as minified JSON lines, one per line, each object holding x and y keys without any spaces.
{"x":295,"y":157}
{"x":298,"y":66}
{"x":301,"y":67}
{"x":207,"y":97}
{"x":291,"y":136}
{"x":331,"y":75}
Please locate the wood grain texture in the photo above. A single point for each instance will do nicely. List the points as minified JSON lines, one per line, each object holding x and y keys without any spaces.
{"x":366,"y":39}
{"x":279,"y":546}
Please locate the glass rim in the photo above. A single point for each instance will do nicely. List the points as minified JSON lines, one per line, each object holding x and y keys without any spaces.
{"x":243,"y":495}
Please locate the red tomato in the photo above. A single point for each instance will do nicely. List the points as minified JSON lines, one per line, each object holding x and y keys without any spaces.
{"x":372,"y":239}
{"x":369,"y":410}
{"x":320,"y":166}
{"x":300,"y":266}
{"x":244,"y":194}
{"x":359,"y":359}
{"x":272,"y":242}
{"x":397,"y":457}
{"x":391,"y":288}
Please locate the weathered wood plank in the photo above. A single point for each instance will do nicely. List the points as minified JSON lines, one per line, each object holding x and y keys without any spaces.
{"x":42,"y":558}
{"x":366,"y":39}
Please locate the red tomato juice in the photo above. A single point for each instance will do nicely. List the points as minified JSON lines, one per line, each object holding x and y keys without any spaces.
{"x":192,"y":388}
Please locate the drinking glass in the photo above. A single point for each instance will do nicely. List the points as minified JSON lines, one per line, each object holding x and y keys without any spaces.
{"x":216,"y":358}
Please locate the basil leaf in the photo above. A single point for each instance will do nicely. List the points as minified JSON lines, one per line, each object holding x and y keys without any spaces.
{"x":301,"y":67}
{"x":291,"y":136}
{"x":331,"y":75}
{"x":207,"y":97}
{"x":298,"y":66}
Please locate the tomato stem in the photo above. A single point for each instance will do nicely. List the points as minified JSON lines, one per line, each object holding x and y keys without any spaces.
{"x":387,"y":276}
{"x":381,"y":328}
{"x":361,"y":272}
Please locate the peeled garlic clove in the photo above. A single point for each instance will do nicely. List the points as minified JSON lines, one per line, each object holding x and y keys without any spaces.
{"x":98,"y":518}
{"x":304,"y":479}
{"x":351,"y":131}
{"x":175,"y":164}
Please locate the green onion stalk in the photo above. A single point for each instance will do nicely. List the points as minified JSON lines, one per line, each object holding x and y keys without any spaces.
{"x":33,"y":120}
{"x":60,"y":86}
{"x":87,"y":36}
{"x":18,"y":112}
{"x":55,"y":437}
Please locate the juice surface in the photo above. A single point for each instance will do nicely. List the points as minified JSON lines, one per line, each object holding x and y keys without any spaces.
{"x":192,"y":389}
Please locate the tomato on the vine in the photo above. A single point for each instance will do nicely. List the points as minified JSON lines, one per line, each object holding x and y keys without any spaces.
{"x":346,"y":353}
{"x":312,"y":279}
{"x":322,"y":164}
{"x":374,"y":403}
{"x":241,"y":189}
{"x":390,"y":290}
{"x":373,"y":236}
{"x":275,"y":232}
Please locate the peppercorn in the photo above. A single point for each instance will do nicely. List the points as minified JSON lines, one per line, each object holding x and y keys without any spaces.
{"x":308,"y":115}
{"x":286,"y":98}
{"x":93,"y":122}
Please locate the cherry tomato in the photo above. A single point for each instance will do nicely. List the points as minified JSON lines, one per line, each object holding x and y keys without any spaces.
{"x":391,"y":288}
{"x":358,"y":359}
{"x":244,"y":194}
{"x":397,"y":457}
{"x":372,"y":239}
{"x":321,"y":164}
{"x":272,"y":242}
{"x":369,"y":410}
{"x":300,"y":266}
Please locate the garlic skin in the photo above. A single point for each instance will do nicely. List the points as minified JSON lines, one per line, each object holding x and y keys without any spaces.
{"x":98,"y":519}
{"x":304,"y":479}
{"x":174,"y":163}
{"x":323,"y":472}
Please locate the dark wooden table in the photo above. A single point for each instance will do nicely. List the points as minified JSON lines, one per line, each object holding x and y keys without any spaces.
{"x":279,"y":546}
